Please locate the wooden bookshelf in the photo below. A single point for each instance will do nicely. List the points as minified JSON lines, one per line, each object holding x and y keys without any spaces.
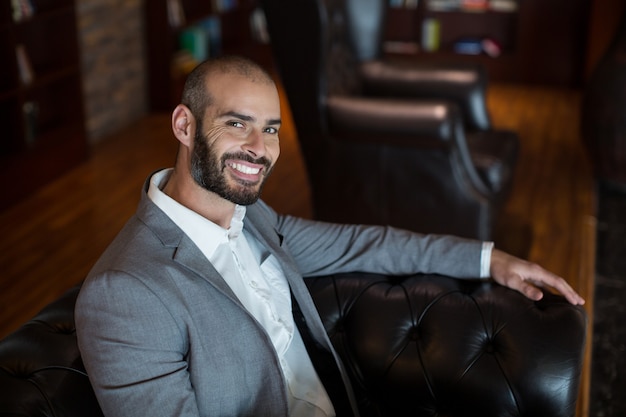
{"x":540,"y":42}
{"x":164,"y":30}
{"x":41,"y":101}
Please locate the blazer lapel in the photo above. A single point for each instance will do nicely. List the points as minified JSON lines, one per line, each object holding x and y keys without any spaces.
{"x":185,"y":251}
{"x":187,"y":254}
{"x":261,"y":228}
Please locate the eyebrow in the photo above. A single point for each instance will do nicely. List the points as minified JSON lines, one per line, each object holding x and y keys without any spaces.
{"x":248,"y":118}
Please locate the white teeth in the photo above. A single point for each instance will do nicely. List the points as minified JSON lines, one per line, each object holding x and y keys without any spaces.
{"x":245,"y":169}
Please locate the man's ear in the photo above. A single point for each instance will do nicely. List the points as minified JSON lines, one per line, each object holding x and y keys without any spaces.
{"x":183,"y":125}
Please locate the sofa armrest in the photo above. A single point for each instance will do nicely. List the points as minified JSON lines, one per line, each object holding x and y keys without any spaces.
{"x":432,"y":345}
{"x":41,"y":371}
{"x":414,"y":124}
{"x":393,"y":121}
{"x":466,"y":85}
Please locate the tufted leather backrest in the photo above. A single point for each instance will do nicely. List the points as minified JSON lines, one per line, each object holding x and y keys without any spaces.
{"x":41,"y":372}
{"x":419,"y":345}
{"x":436,"y":346}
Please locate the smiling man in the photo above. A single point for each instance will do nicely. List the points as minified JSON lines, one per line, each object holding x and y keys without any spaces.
{"x":189,"y":312}
{"x":232,"y":133}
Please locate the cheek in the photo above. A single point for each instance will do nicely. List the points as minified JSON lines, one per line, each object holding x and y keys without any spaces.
{"x":216,"y":139}
{"x":273,"y":148}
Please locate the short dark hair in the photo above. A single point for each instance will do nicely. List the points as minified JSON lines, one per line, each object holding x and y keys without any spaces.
{"x":195,"y":95}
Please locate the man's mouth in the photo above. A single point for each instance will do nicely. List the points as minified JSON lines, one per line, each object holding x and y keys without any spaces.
{"x":244,"y":169}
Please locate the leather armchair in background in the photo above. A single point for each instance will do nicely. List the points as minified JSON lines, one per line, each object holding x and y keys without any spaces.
{"x":420,"y":345}
{"x":463,"y":83}
{"x":387,"y":142}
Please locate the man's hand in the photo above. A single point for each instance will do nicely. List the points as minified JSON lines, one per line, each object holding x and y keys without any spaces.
{"x":527,"y":277}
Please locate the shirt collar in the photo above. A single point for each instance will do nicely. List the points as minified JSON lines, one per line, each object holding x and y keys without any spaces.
{"x":203,"y":232}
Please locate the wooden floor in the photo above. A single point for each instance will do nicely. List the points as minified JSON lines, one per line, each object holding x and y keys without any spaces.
{"x":50,"y":240}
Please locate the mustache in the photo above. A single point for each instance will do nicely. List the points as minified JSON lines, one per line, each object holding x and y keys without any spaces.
{"x":248,"y":158}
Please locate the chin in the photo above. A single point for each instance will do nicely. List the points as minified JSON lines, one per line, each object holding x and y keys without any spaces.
{"x":243,"y":197}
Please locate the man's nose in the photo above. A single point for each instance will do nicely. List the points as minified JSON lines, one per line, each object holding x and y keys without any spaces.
{"x":254,"y":144}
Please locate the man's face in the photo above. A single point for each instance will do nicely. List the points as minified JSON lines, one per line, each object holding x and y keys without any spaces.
{"x":236,"y":143}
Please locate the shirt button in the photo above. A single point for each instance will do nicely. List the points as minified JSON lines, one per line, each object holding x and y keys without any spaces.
{"x":253,"y":284}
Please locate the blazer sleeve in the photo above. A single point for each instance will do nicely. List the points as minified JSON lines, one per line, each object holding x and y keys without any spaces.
{"x":320,"y":248}
{"x":121,"y":327}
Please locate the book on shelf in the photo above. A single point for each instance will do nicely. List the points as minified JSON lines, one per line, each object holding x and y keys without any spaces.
{"x":468,"y":46}
{"x":401,"y":47}
{"x":203,"y":39}
{"x":443,"y":5}
{"x":22,"y":9}
{"x":194,"y":40}
{"x":503,"y":5}
{"x":474,"y":5}
{"x":478,"y":46}
{"x":182,"y":64}
{"x":430,"y":34}
{"x":491,"y":47}
{"x":403,"y":4}
{"x":24,"y":66}
{"x":212,"y":27}
{"x":221,"y":6}
{"x":175,"y":14}
{"x":258,"y":26}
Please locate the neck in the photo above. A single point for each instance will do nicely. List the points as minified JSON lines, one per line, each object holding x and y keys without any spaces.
{"x":209,"y":205}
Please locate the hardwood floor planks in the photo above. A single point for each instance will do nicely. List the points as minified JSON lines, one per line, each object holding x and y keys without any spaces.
{"x":553,"y":205}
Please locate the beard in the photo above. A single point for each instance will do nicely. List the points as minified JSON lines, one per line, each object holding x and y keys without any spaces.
{"x":207,"y":170}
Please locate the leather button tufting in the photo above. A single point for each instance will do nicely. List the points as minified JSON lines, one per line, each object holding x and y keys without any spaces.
{"x":65,"y":329}
{"x":490,"y":346}
{"x":414,"y":334}
{"x":420,"y":349}
{"x":339,"y":327}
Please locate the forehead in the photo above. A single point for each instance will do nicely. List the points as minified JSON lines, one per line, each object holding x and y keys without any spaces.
{"x":236,"y":92}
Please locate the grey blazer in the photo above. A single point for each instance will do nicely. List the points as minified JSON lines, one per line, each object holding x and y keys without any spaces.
{"x":162,"y":334}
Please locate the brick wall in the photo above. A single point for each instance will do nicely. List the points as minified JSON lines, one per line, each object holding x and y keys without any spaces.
{"x":111,"y":38}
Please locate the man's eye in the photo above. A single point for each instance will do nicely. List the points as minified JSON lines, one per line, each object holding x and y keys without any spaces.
{"x":236,"y":124}
{"x":271,"y":130}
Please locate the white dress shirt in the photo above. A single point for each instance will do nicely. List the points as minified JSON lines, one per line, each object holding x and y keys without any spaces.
{"x":485,"y":259}
{"x":256,"y":278}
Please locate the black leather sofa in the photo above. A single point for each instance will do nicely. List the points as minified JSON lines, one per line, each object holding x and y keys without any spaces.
{"x":421,"y":345}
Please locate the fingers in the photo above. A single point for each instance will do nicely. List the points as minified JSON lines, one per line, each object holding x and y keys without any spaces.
{"x":528,"y":278}
{"x":543,"y":278}
{"x":530,"y":287}
{"x":568,"y":292}
{"x":531,"y":291}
